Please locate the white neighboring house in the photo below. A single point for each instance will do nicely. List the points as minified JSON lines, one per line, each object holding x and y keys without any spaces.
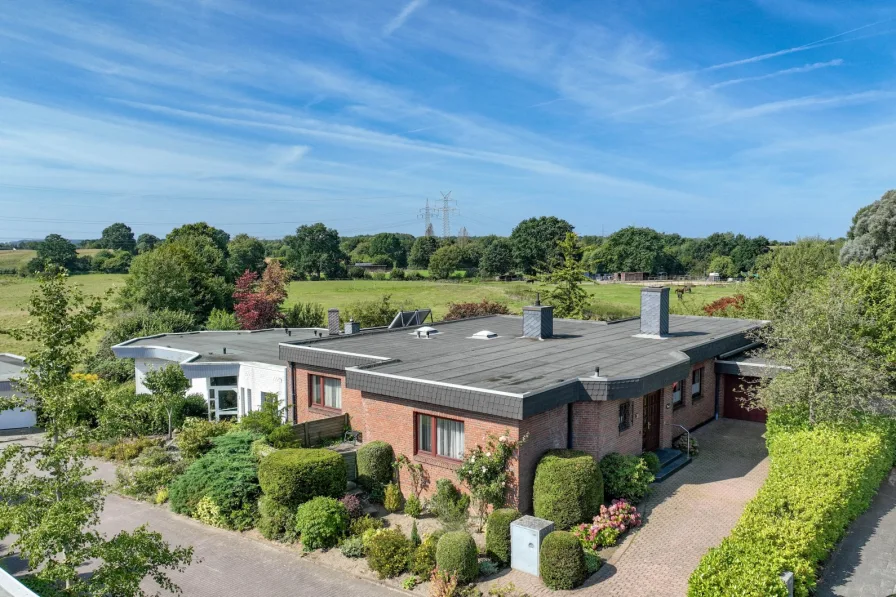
{"x":11,"y":366}
{"x":235,"y":371}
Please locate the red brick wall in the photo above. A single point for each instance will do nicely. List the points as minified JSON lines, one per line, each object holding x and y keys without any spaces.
{"x":546,"y":431}
{"x":694,"y":412}
{"x":351,"y":399}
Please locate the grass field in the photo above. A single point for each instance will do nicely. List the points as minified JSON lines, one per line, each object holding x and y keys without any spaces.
{"x":623,"y":298}
{"x":14,"y":293}
{"x":12,"y":259}
{"x":438,"y":295}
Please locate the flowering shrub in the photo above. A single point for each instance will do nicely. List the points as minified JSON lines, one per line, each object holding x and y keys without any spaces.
{"x":353,"y":506}
{"x":607,"y":526}
{"x":484,"y":472}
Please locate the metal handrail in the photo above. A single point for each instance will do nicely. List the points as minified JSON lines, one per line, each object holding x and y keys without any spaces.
{"x":688,"y":454}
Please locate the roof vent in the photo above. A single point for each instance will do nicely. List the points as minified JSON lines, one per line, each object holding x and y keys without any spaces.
{"x":484,"y":335}
{"x":424,"y":331}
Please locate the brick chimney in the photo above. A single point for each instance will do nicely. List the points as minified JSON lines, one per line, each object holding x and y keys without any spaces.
{"x":333,"y":322}
{"x":655,"y":311}
{"x":538,"y":320}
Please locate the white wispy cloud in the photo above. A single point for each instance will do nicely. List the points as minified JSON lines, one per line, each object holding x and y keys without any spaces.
{"x":400,"y":19}
{"x":779,"y":73}
{"x":811,"y":102}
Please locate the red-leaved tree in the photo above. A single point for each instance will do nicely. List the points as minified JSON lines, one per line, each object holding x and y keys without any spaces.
{"x":257,"y":302}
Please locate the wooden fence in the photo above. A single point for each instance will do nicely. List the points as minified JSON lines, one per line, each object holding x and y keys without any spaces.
{"x":313,"y":433}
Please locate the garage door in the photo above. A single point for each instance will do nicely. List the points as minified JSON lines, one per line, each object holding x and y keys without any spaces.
{"x":735,"y":393}
{"x":16,"y":419}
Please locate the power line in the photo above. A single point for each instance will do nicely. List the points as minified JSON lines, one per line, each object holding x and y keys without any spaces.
{"x":447,"y":209}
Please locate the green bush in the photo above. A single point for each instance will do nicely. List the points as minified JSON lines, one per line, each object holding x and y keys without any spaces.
{"x":497,"y":534}
{"x":424,"y":559}
{"x":375,"y":464}
{"x":353,"y":547}
{"x":227,"y":477}
{"x":263,"y":421}
{"x":195,"y":437}
{"x":393,"y":501}
{"x":819,"y":481}
{"x":260,"y":449}
{"x":652,"y":461}
{"x":413,"y":507}
{"x":625,"y":477}
{"x":284,"y":437}
{"x":123,"y":450}
{"x":150,"y":472}
{"x":276,"y":521}
{"x":568,"y":488}
{"x":294,"y":476}
{"x":366,"y":523}
{"x":388,"y":552}
{"x":449,"y":504}
{"x":321,"y":522}
{"x":562,"y":561}
{"x":456,"y":553}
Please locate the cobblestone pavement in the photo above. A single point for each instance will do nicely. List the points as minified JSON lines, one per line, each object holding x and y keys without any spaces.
{"x":685,"y":515}
{"x":864,"y":564}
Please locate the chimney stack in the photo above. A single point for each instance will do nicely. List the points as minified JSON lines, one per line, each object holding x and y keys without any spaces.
{"x":333,"y":322}
{"x":538,"y":321}
{"x":655,"y":311}
{"x":352,"y":327}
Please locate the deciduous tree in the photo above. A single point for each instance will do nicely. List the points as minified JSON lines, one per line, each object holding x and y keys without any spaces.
{"x":119,"y":237}
{"x":57,"y":251}
{"x":169,"y":385}
{"x":535,"y":242}
{"x":315,"y":250}
{"x":257,"y":303}
{"x":872,"y":236}
{"x":245,"y":253}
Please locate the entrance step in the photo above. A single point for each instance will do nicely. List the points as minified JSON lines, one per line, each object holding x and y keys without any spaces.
{"x":671,"y":461}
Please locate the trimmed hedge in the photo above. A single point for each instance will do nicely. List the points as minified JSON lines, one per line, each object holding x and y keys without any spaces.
{"x":819,"y":481}
{"x":562,"y":561}
{"x":456,"y":552}
{"x":568,"y":488}
{"x":276,"y":521}
{"x":292,"y":477}
{"x":497,"y":534}
{"x":375,"y":464}
{"x":389,"y":552}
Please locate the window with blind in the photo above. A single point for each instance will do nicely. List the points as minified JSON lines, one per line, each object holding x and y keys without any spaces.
{"x":697,"y":383}
{"x":440,"y":437}
{"x":677,"y":399}
{"x":325,"y":391}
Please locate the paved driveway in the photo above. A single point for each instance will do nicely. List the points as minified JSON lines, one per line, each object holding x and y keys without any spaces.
{"x":864,"y":563}
{"x":687,"y":514}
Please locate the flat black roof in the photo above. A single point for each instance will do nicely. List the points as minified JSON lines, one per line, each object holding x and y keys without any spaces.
{"x":511,"y":366}
{"x":260,"y":346}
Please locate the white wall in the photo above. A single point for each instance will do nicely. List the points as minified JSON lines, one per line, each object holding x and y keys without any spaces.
{"x":262,"y":377}
{"x":144,"y":366}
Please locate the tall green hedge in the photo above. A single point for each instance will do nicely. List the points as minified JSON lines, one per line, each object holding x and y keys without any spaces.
{"x":497,"y":534}
{"x":292,"y":477}
{"x":375,"y":464}
{"x":568,"y":488}
{"x":456,"y":552}
{"x":819,"y":480}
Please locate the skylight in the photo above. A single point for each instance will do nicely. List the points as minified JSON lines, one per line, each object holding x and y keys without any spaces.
{"x":484,"y":335}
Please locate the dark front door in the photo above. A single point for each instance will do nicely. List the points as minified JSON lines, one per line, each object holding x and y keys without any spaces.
{"x":651,"y":433}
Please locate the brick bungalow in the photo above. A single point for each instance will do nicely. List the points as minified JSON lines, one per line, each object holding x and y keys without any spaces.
{"x":433,"y":393}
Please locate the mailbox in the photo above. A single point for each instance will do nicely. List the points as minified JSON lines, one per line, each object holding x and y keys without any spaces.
{"x":526,"y":535}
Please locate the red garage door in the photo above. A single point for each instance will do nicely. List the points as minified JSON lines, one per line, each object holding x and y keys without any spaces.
{"x":735,"y":392}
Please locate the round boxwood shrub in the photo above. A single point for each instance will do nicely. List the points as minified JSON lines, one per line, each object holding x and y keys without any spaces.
{"x":652,"y":461}
{"x":375,"y":464}
{"x":388,"y":552}
{"x":276,"y":521}
{"x":568,"y":488}
{"x":321,"y":522}
{"x":562,"y":561}
{"x":497,"y":534}
{"x":292,"y":477}
{"x":456,"y":553}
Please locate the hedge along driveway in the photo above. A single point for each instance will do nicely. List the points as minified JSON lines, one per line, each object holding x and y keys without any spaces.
{"x":685,"y":515}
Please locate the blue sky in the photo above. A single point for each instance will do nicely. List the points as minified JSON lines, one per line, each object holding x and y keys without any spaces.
{"x":772,"y":117}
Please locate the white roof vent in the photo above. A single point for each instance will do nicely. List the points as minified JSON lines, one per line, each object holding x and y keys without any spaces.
{"x":484,"y":335}
{"x":425,"y":332}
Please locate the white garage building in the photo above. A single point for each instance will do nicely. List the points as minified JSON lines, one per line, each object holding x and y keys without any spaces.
{"x":11,"y":366}
{"x":235,"y":371}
